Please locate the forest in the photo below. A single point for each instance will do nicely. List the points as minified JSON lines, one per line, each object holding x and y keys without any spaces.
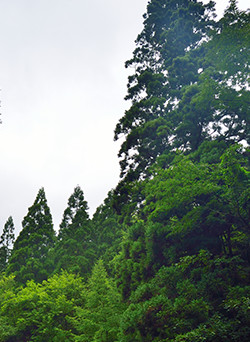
{"x":166,"y":256}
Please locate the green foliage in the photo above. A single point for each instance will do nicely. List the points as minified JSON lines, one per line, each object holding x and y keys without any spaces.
{"x":195,"y":217}
{"x":41,"y":312}
{"x":106,"y":232}
{"x":130,"y":264}
{"x":31,"y":248}
{"x":75,"y":215}
{"x":188,"y":207}
{"x":174,"y":234}
{"x":192,"y":300}
{"x":228,"y":50}
{"x":199,"y":206}
{"x":76,"y":254}
{"x":74,"y":249}
{"x":99,"y":319}
{"x":165,"y":60}
{"x":6,"y":242}
{"x":62,"y":308}
{"x":189,"y":87}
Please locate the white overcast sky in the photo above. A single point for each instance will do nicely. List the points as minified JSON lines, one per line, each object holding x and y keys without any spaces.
{"x":63,"y":81}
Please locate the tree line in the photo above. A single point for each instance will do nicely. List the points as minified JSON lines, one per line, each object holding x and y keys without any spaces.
{"x":166,"y":256}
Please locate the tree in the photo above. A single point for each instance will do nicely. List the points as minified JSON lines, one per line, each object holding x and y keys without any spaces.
{"x":31,"y":248}
{"x":188,"y":207}
{"x":7,"y":288}
{"x":40,"y":312}
{"x":166,"y":60}
{"x":189,"y":86}
{"x":98,"y":320}
{"x":74,"y":248}
{"x":130,"y":265}
{"x":75,"y":215}
{"x":201,"y":297}
{"x":216,"y":106}
{"x":6,"y":242}
{"x":106,"y":231}
{"x":193,"y":206}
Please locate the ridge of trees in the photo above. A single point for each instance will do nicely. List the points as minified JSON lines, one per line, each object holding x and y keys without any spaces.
{"x":166,"y":256}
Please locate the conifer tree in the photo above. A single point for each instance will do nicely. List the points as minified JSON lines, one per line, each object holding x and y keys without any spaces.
{"x":74,"y":247}
{"x":6,"y":242}
{"x":106,"y":230}
{"x":98,"y":320}
{"x":30,"y":251}
{"x":189,"y":87}
{"x":75,"y":215}
{"x":166,"y":60}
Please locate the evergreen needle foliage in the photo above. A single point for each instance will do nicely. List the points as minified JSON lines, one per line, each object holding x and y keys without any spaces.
{"x":166,"y":257}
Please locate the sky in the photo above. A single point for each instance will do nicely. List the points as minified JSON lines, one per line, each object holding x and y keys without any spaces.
{"x":63,"y":82}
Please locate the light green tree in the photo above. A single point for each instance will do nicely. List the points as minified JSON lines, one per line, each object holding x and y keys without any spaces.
{"x":99,"y":319}
{"x":41,"y":312}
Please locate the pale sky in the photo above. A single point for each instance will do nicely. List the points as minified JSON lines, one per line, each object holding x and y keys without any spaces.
{"x":63,"y":82}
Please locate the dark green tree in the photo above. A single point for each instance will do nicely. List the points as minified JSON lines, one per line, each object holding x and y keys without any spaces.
{"x":165,"y":60}
{"x":201,"y":297}
{"x":189,"y":86}
{"x":188,"y":207}
{"x":75,"y":215}
{"x":6,"y":242}
{"x":106,"y":231}
{"x":31,"y":248}
{"x":216,"y":106}
{"x":74,"y":248}
{"x":130,"y":265}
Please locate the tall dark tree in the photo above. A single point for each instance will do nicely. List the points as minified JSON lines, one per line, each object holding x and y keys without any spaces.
{"x":74,"y":248}
{"x":106,"y":231}
{"x":189,"y":86}
{"x":75,"y":215}
{"x":216,"y":106}
{"x":165,"y":60}
{"x":6,"y":242}
{"x":31,"y":248}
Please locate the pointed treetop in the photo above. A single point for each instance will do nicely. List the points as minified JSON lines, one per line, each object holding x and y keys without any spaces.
{"x":34,"y":242}
{"x":8,"y":236}
{"x":75,"y":215}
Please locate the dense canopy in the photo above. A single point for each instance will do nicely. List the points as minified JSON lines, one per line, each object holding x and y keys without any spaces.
{"x":166,"y":256}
